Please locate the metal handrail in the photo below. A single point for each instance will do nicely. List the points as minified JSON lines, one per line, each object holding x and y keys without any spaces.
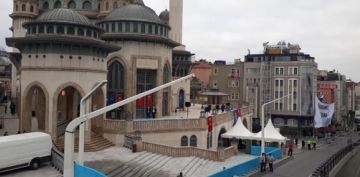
{"x":325,"y":168}
{"x":57,"y":158}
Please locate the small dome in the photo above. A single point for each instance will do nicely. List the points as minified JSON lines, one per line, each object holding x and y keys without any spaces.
{"x":134,"y":12}
{"x":164,"y":16}
{"x":65,"y":16}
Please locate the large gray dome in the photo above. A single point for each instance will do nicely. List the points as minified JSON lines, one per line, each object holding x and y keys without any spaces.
{"x":134,"y":12}
{"x":64,"y":16}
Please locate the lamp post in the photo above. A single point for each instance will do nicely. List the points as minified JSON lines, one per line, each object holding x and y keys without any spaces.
{"x":263,"y":121}
{"x":82,"y":127}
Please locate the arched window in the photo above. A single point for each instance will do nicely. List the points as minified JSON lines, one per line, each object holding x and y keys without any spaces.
{"x":193,"y":141}
{"x":33,"y":30}
{"x":80,"y":32}
{"x":115,"y":5}
{"x":31,"y":8}
{"x":120,"y":27}
{"x":23,"y":7}
{"x":16,"y":7}
{"x":72,"y":5}
{"x":116,"y":76}
{"x":87,"y":5}
{"x":106,"y":6}
{"x":41,"y":29}
{"x":60,"y":30}
{"x":88,"y":33}
{"x":184,"y":141}
{"x":57,"y":4}
{"x":46,"y":5}
{"x":71,"y":31}
{"x":142,"y":28}
{"x":113,"y":27}
{"x":50,"y":30}
{"x":279,"y":121}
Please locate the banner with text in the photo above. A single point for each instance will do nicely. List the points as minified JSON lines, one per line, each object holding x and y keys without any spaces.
{"x":323,"y":113}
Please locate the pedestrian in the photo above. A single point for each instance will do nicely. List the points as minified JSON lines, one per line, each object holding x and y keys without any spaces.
{"x":5,"y":107}
{"x":296,"y":142}
{"x":222,"y":108}
{"x":314,"y":144}
{"x":290,"y":151}
{"x":270,"y":160}
{"x":153,"y":112}
{"x":6,"y":133}
{"x":180,"y":174}
{"x":302,"y":144}
{"x":148,"y":112}
{"x":263,"y":162}
{"x":308,"y":142}
{"x":24,"y":131}
{"x":18,"y":132}
{"x":12,"y":108}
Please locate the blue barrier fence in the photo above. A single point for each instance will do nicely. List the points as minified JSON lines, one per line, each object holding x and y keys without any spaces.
{"x":248,"y":166}
{"x":83,"y":171}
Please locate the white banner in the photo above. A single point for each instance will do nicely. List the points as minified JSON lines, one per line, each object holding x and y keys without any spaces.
{"x":323,"y":113}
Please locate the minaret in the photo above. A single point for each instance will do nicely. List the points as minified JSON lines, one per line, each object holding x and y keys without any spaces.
{"x":23,"y":11}
{"x":176,"y":20}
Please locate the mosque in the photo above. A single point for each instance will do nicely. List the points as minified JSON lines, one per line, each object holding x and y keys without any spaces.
{"x":67,"y":46}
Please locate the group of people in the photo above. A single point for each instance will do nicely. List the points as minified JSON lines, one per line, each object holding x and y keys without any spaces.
{"x":150,"y":112}
{"x":11,"y":106}
{"x":311,"y":144}
{"x":18,"y":132}
{"x":266,"y":159}
{"x":217,"y":107}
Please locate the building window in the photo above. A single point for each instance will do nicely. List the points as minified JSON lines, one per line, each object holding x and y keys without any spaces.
{"x":87,"y":5}
{"x":127,"y":27}
{"x":31,"y":8}
{"x":115,"y":5}
{"x":135,"y":27}
{"x":70,"y":31}
{"x":215,"y":70}
{"x":281,"y":83}
{"x":50,"y":30}
{"x":57,"y":4}
{"x":276,"y":83}
{"x":120,"y":27}
{"x":46,"y":5}
{"x":279,"y":121}
{"x":193,"y":141}
{"x":107,"y":6}
{"x":88,"y":33}
{"x":41,"y":29}
{"x":237,"y":96}
{"x":16,"y":7}
{"x":280,"y":106}
{"x":215,"y":84}
{"x":156,"y":29}
{"x":279,"y":71}
{"x":295,"y":83}
{"x":295,"y":71}
{"x":60,"y":30}
{"x":142,"y":28}
{"x":113,"y":27}
{"x":80,"y":32}
{"x":184,"y":141}
{"x":150,"y":29}
{"x":294,"y":107}
{"x":23,"y":7}
{"x":71,"y":5}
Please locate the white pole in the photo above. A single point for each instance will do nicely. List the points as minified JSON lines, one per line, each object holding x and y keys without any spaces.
{"x":263,"y":122}
{"x":82,"y":125}
{"x":69,"y":133}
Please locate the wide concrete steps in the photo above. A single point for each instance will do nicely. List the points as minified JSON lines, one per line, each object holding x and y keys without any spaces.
{"x":96,"y":143}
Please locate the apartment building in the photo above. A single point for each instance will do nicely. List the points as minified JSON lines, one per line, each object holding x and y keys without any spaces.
{"x":228,"y":78}
{"x":279,"y":71}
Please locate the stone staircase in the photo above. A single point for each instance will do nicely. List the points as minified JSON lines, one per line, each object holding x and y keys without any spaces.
{"x":96,"y":143}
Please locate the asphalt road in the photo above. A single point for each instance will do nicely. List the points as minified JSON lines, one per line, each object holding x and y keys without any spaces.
{"x":305,"y":162}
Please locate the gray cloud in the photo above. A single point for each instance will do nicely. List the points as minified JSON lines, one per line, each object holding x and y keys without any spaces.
{"x":329,"y":30}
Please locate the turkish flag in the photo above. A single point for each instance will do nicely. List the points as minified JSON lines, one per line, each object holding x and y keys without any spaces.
{"x":210,"y":123}
{"x":149,"y":100}
{"x":119,"y":98}
{"x":140,"y":102}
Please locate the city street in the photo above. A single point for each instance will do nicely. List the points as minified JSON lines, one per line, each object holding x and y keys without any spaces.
{"x":305,"y":162}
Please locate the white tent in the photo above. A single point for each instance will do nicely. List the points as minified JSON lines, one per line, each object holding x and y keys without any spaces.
{"x":271,"y":134}
{"x":238,"y":131}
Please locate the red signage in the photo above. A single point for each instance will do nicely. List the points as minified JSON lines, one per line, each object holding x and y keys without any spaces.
{"x":210,"y":123}
{"x":119,"y":98}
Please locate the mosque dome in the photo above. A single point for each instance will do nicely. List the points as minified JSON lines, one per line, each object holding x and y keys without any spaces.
{"x":164,"y":16}
{"x":64,"y":16}
{"x":134,"y":12}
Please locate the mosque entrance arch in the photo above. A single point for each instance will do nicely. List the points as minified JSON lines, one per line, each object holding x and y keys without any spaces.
{"x":68,"y":107}
{"x":223,"y":142}
{"x":34,"y":115}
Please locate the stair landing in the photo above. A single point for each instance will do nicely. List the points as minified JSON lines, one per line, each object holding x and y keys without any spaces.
{"x":96,"y":143}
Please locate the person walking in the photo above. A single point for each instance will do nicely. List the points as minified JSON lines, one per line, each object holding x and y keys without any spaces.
{"x":148,"y":112}
{"x":6,"y":134}
{"x":302,"y":144}
{"x":222,"y":108}
{"x":314,"y":143}
{"x":12,"y":108}
{"x":180,"y":174}
{"x":290,"y":151}
{"x":263,"y":162}
{"x":308,"y":142}
{"x":153,"y":111}
{"x":296,"y":142}
{"x":270,"y":160}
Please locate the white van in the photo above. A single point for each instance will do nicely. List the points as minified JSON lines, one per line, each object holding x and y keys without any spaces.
{"x":24,"y":150}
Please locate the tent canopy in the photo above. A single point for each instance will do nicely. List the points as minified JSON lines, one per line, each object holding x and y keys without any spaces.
{"x":238,"y":131}
{"x":270,"y":133}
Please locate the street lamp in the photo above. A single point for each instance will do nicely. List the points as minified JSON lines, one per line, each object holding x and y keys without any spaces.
{"x":263,"y":121}
{"x":82,"y":112}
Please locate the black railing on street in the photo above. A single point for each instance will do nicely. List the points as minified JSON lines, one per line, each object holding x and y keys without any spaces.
{"x":325,"y":168}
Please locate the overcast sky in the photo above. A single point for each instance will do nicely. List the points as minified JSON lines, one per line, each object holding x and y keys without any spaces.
{"x":328,"y":30}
